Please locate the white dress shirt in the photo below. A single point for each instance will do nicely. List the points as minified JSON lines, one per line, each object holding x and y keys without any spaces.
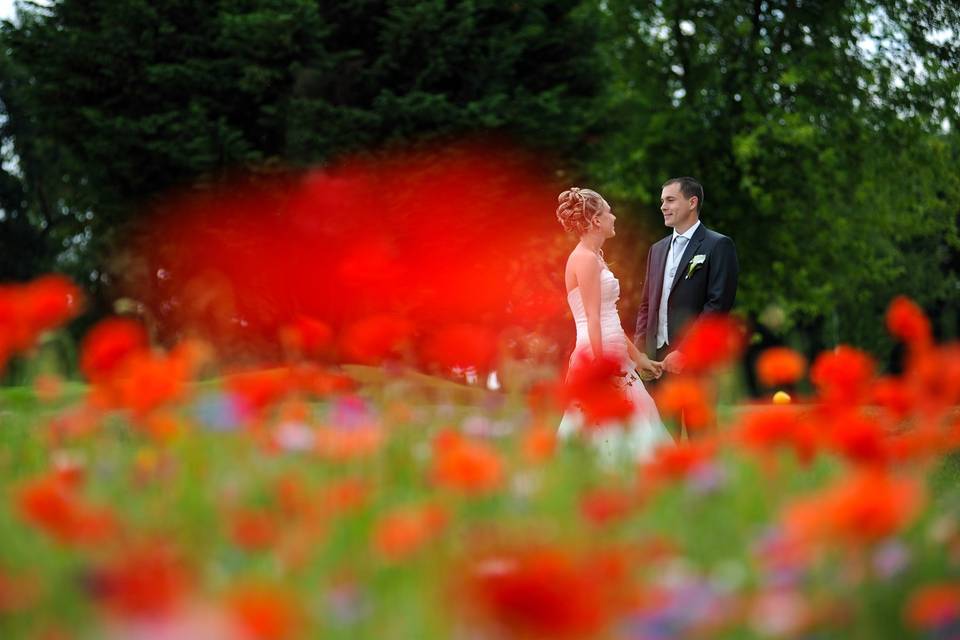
{"x":678,"y":243}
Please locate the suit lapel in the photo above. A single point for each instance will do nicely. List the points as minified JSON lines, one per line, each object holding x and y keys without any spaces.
{"x":659,"y":264}
{"x":688,"y":254}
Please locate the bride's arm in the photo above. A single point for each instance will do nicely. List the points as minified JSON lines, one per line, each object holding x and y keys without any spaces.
{"x":652,"y":368}
{"x":587,"y":269}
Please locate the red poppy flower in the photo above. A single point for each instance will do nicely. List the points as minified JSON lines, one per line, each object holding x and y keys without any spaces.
{"x":462,"y":345}
{"x":254,"y":529}
{"x":711,"y":342}
{"x":49,"y":301}
{"x":772,"y":427}
{"x":687,"y":399}
{"x":404,"y":531}
{"x":142,"y":581}
{"x":894,"y":395}
{"x":842,"y":375}
{"x":264,"y":611}
{"x":907,"y":322}
{"x":864,"y":507}
{"x":780,"y":366}
{"x":543,"y":592}
{"x":592,"y":385}
{"x":465,"y":465}
{"x":934,"y":378}
{"x":344,"y":496}
{"x":108,"y":345}
{"x":606,"y":504}
{"x":53,"y":504}
{"x":148,"y":381}
{"x":857,"y":437}
{"x":260,"y":389}
{"x":539,"y":443}
{"x":923,"y":441}
{"x":933,"y":606}
{"x":28,"y":310}
{"x":676,"y":462}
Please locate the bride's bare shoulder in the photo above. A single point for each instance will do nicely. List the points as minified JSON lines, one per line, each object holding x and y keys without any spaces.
{"x":582,"y":261}
{"x":581,"y":255}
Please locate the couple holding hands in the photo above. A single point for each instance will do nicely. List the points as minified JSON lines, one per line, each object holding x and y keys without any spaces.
{"x":690,"y":272}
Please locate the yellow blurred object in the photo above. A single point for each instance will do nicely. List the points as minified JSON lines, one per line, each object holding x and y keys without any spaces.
{"x":781,"y":397}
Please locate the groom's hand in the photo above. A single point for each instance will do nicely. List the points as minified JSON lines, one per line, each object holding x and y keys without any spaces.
{"x":673,"y":363}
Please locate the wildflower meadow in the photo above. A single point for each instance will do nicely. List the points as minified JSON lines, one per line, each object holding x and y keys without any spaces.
{"x":167,"y":496}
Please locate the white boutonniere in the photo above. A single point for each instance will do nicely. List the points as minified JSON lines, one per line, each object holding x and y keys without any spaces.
{"x":695,"y":263}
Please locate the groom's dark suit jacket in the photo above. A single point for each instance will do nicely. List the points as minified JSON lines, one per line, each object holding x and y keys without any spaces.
{"x":712,"y":287}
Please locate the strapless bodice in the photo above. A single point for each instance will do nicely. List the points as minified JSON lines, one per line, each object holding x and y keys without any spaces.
{"x":614,"y":341}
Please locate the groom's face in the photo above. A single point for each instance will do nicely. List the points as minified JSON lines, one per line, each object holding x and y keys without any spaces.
{"x":679,"y":212}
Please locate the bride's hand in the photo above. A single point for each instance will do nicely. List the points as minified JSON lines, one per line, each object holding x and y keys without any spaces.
{"x":649,"y":369}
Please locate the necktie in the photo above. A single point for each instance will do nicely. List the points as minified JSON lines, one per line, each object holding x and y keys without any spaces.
{"x":679,"y":244}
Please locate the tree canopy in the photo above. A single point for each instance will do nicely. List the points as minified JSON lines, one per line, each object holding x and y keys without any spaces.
{"x":820,"y":132}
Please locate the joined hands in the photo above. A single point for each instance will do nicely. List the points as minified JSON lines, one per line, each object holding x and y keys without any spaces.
{"x":649,"y":369}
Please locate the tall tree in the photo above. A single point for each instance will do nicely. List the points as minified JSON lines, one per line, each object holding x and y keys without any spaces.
{"x":138,"y":97}
{"x":817,"y":128}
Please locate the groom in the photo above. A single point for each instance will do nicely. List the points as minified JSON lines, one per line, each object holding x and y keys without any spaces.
{"x":692,"y":271}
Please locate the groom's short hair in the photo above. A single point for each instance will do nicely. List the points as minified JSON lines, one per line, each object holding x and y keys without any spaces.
{"x":689,"y":187}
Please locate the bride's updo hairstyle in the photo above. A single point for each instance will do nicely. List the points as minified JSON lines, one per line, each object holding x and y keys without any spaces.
{"x":577,"y":208}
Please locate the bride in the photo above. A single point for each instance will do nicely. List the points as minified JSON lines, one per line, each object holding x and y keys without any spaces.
{"x":592,"y":293}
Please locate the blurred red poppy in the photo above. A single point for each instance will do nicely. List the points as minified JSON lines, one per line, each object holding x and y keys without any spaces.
{"x":856,"y":436}
{"x":779,"y":366}
{"x":462,"y":345}
{"x":265,"y":612}
{"x":539,"y":443}
{"x":344,"y":496}
{"x":711,"y":342}
{"x":864,"y":507}
{"x":778,"y":426}
{"x":607,"y":504}
{"x":676,"y":462}
{"x":894,"y":395}
{"x":27,"y":310}
{"x":108,"y":345}
{"x":543,"y":592}
{"x":907,"y":322}
{"x":144,"y":580}
{"x":259,"y":389}
{"x":465,"y":465}
{"x":53,"y":504}
{"x":687,"y":399}
{"x":592,"y":386}
{"x":403,"y":531}
{"x":933,"y":375}
{"x":254,"y":529}
{"x":842,"y":375}
{"x":933,"y":606}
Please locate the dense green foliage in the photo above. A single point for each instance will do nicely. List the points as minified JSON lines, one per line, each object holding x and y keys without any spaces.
{"x":825,"y":132}
{"x":828,"y":165}
{"x":111,"y":103}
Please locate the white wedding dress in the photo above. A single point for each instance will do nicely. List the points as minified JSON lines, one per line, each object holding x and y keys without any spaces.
{"x":638,"y":435}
